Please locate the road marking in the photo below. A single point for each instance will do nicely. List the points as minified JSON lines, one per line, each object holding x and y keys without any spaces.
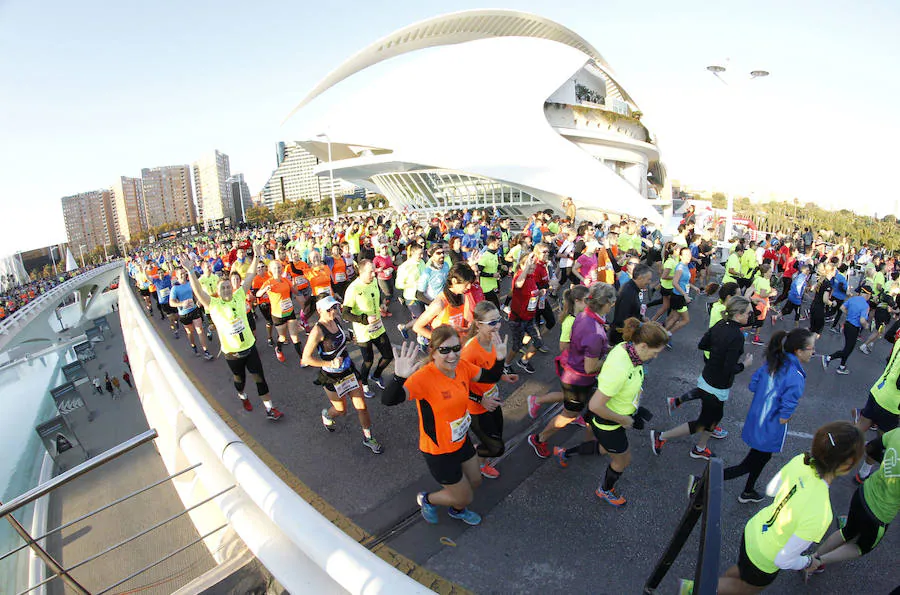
{"x":790,"y":433}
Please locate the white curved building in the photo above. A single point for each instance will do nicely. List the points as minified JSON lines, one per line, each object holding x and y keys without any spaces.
{"x":488,"y":108}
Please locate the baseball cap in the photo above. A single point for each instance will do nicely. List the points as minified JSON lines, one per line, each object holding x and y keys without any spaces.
{"x":326,"y":303}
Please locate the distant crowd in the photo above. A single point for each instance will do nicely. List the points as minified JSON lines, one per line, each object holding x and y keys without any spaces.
{"x":16,"y":298}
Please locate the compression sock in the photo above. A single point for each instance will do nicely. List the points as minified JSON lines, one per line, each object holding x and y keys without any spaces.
{"x":612,"y":476}
{"x":299,"y":349}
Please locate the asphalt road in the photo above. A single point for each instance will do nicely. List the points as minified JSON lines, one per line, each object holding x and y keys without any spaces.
{"x":544,"y":530}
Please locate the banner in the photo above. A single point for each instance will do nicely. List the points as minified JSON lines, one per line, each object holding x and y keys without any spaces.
{"x":60,"y":441}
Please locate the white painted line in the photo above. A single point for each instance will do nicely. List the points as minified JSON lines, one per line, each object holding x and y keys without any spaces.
{"x":790,"y":433}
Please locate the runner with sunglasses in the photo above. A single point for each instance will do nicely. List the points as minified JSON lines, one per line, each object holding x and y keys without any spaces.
{"x":327,"y":349}
{"x":229,"y":313}
{"x":452,"y":306}
{"x":441,"y":387}
{"x":487,"y":414}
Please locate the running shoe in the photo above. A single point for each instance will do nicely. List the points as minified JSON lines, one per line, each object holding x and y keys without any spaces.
{"x":842,"y":370}
{"x":610,"y":496}
{"x":543,"y":349}
{"x":804,"y":318}
{"x":540,"y":448}
{"x":579,"y":421}
{"x":373,"y":445}
{"x":525,"y":366}
{"x":854,"y":415}
{"x":704,"y":454}
{"x":195,"y":350}
{"x":835,"y":330}
{"x":685,"y":586}
{"x":507,"y":369}
{"x":488,"y":471}
{"x":656,"y":443}
{"x":279,"y":355}
{"x":403,"y":332}
{"x":533,"y":406}
{"x":671,"y":405}
{"x":719,"y":433}
{"x":209,"y":335}
{"x":327,"y":421}
{"x":560,"y":454}
{"x":826,"y":359}
{"x":378,"y":380}
{"x":669,"y":346}
{"x":864,"y":348}
{"x":248,"y":406}
{"x":693,"y":482}
{"x":774,"y":319}
{"x":274,"y":414}
{"x":505,"y":310}
{"x":465,"y":515}
{"x":757,"y":341}
{"x":367,"y":392}
{"x":207,"y":356}
{"x":429,"y":511}
{"x":751,"y":496}
{"x":270,"y":342}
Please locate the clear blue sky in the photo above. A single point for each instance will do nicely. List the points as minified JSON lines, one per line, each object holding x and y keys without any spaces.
{"x":93,"y":90}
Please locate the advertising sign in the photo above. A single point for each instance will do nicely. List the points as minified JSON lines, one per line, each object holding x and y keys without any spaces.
{"x":61,"y":442}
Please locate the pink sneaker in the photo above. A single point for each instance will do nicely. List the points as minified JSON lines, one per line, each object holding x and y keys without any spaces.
{"x":579,"y":421}
{"x":533,"y":406}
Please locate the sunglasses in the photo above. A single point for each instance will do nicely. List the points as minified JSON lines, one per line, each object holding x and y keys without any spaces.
{"x":451,"y":349}
{"x":490,"y":323}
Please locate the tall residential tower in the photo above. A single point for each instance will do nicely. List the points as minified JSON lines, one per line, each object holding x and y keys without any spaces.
{"x":167,"y":195}
{"x":214,"y":198}
{"x":89,"y":219}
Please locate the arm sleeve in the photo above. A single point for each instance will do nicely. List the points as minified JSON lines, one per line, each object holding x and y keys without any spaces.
{"x":613,"y":261}
{"x":394,"y":393}
{"x":492,"y":374}
{"x":790,"y":557}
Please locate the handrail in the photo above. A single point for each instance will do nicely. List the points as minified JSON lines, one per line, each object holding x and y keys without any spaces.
{"x":18,"y":317}
{"x":303,"y":550}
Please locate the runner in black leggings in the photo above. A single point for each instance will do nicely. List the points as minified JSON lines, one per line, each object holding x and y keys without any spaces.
{"x":857,"y":311}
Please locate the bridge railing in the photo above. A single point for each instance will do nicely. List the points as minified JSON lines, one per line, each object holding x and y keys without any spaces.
{"x":304,"y":551}
{"x":29,"y":311}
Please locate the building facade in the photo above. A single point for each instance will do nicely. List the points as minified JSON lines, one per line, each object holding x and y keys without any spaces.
{"x":167,"y":196}
{"x":534,"y":115}
{"x":128,"y":209}
{"x":213,"y":190}
{"x":240,"y":194}
{"x":295,"y":178}
{"x":89,"y":220}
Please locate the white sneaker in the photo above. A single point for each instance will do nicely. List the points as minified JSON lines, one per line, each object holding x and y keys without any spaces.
{"x":367,"y":392}
{"x":865,"y":349}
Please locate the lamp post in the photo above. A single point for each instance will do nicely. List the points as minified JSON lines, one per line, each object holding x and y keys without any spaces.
{"x":334,"y":212}
{"x":717,"y":71}
{"x":81,"y":248}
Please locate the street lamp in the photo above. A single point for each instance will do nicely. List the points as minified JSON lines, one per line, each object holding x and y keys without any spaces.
{"x":81,"y":248}
{"x":717,"y":72}
{"x":334,"y":212}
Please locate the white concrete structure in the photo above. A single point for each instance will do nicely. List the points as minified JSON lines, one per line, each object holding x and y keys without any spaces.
{"x":491,"y":108}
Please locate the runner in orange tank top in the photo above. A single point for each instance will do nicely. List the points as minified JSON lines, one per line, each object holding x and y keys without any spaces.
{"x":451,"y":307}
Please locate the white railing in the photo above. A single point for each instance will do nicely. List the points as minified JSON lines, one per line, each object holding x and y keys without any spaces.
{"x":29,"y":311}
{"x":304,"y":551}
{"x":11,"y":325}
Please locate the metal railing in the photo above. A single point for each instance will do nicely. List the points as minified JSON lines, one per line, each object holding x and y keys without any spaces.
{"x":56,"y":569}
{"x":29,"y":311}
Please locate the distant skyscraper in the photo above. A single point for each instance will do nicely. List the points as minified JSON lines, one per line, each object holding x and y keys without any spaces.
{"x":167,"y":195}
{"x":240,"y":194}
{"x":214,"y":200}
{"x":89,"y":219}
{"x":128,"y":209}
{"x":294,"y":178}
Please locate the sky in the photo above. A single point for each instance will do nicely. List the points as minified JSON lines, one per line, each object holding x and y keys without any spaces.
{"x":90,"y":91}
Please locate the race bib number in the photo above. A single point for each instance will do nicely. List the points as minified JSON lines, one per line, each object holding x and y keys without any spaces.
{"x":187,"y":305}
{"x":460,"y":427}
{"x":347,"y":385}
{"x":164,"y":293}
{"x":375,"y":326}
{"x":235,"y":327}
{"x":492,"y":393}
{"x":340,"y":277}
{"x":643,"y":309}
{"x":542,"y":301}
{"x":287,"y":305}
{"x":532,"y":304}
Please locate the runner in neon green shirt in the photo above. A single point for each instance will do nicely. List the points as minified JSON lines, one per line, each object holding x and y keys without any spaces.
{"x":775,"y":538}
{"x":361,"y":306}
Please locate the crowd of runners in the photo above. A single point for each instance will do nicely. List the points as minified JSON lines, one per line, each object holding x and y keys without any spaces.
{"x":481,"y":296}
{"x":17,"y":297}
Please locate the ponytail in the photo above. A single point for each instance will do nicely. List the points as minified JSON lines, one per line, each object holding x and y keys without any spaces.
{"x":651,"y":334}
{"x":783,"y":343}
{"x":836,"y":445}
{"x":570,"y":296}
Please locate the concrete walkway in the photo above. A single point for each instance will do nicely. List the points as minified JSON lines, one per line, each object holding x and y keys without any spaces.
{"x":117,"y":420}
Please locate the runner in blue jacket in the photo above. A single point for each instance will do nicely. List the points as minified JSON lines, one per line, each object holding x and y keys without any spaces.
{"x":777,"y":387}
